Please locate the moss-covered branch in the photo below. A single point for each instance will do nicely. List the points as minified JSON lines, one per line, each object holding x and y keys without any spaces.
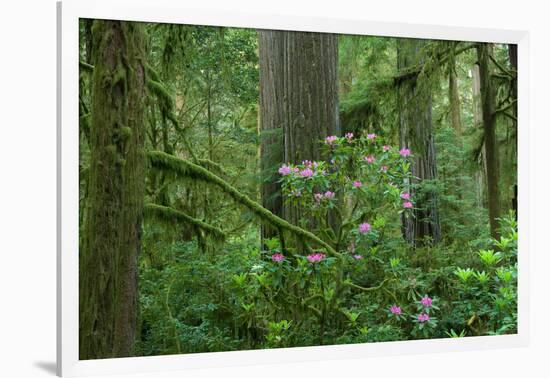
{"x":506,"y":107}
{"x":373,"y":288}
{"x":439,"y":59}
{"x":190,"y":170}
{"x":86,"y":66}
{"x":168,"y":213}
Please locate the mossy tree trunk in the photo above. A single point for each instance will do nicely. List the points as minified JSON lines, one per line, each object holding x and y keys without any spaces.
{"x":299,"y":81}
{"x":489,"y":130}
{"x":513,"y":56}
{"x":414,"y":103}
{"x":481,"y":173}
{"x":112,"y":228}
{"x":454,"y":95}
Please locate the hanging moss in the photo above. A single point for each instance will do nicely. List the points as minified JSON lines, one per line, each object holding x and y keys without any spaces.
{"x":170,"y":214}
{"x":111,"y":237}
{"x":187,"y":169}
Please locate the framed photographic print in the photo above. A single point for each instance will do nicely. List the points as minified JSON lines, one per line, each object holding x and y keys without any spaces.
{"x":253,"y":187}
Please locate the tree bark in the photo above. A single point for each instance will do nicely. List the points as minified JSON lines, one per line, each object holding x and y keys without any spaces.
{"x":299,"y":94}
{"x":489,"y":131}
{"x":415,"y":129}
{"x":513,"y":56}
{"x":112,"y":228}
{"x":454,"y":97}
{"x":481,"y":174}
{"x":271,"y":54}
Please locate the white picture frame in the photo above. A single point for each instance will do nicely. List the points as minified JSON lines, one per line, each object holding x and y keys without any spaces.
{"x":168,"y":11}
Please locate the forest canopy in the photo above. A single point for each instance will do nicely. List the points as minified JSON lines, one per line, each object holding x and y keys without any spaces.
{"x":248,"y":189}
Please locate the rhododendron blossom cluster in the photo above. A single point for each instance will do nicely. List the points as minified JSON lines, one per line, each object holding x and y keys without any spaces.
{"x":315,"y":257}
{"x":277,"y":257}
{"x":396,"y":310}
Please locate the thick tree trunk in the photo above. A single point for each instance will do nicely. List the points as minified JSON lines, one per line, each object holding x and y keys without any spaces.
{"x":513,"y":56}
{"x":415,"y":129}
{"x":481,"y":173}
{"x":299,"y":81}
{"x":271,"y":54}
{"x":111,"y":238}
{"x":489,"y":131}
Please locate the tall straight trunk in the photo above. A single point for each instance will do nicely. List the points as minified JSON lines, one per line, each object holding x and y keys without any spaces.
{"x":298,"y":93}
{"x":271,"y":54}
{"x":454,"y":97}
{"x":481,"y":173}
{"x":513,"y":56}
{"x":311,"y":98}
{"x":489,"y":131}
{"x":112,"y":228}
{"x":415,"y":130}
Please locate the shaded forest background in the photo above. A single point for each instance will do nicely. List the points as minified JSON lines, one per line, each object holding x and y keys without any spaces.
{"x":191,"y":239}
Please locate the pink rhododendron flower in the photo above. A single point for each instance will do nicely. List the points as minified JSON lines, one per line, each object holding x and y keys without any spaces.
{"x":384,"y":168}
{"x":307,"y":163}
{"x":408,"y":205}
{"x":396,"y":310}
{"x":405,"y":196}
{"x":371,"y":136}
{"x":329,"y":194}
{"x":307,"y":172}
{"x":295,"y":169}
{"x":330,"y":140}
{"x":285,"y":170}
{"x":357,"y":257}
{"x":318,"y":197}
{"x":357,"y":184}
{"x":277,"y":257}
{"x":364,"y":227}
{"x":315,"y":257}
{"x":349,"y":136}
{"x":426,"y":301}
{"x":404,"y":152}
{"x":370,"y":159}
{"x":423,"y":318}
{"x":386,"y":148}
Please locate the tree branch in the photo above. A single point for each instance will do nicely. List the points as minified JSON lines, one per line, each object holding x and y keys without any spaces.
{"x":169,"y":213}
{"x":187,"y":169}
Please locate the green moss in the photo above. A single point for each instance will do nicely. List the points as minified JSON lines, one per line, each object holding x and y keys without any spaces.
{"x":169,"y":214}
{"x":125,"y":132}
{"x":159,"y":90}
{"x":187,"y":169}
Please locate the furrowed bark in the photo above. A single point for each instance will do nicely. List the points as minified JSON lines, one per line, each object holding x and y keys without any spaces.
{"x":112,"y":229}
{"x":489,"y":129}
{"x":415,"y":129}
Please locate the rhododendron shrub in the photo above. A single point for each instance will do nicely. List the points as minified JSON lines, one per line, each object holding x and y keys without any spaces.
{"x":361,"y":282}
{"x":352,"y":199}
{"x":359,"y":182}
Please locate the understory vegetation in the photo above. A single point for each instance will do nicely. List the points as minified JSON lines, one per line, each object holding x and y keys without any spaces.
{"x":248,"y":189}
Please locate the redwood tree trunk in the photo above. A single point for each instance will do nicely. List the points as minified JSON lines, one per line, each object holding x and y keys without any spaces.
{"x":415,"y":129}
{"x":299,"y":94}
{"x":489,"y":130}
{"x":271,"y":54}
{"x":112,"y":228}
